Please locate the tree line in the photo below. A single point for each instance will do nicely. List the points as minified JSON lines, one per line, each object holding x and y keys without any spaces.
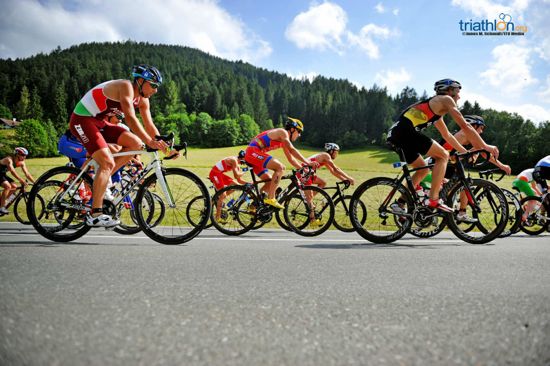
{"x":211,"y":102}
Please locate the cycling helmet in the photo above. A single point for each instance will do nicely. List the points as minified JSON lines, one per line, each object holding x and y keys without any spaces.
{"x":20,"y":151}
{"x":444,"y":84}
{"x":475,"y":120}
{"x":294,"y":122}
{"x":147,"y":72}
{"x":241,"y":155}
{"x":331,"y":146}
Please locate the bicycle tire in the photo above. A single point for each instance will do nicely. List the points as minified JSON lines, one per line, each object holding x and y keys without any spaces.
{"x":373,"y":230}
{"x":132,"y":227}
{"x":182,"y":185}
{"x":530,"y":219}
{"x":20,"y":209}
{"x":233,"y":224}
{"x":494,"y":211}
{"x":514,"y":214}
{"x":342,"y":220}
{"x":296,"y":212}
{"x":191,"y":214}
{"x":42,"y":222}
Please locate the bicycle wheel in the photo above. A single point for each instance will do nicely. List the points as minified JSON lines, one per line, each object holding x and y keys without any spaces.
{"x":381,"y":225}
{"x":126,"y":213}
{"x":234,"y":210}
{"x":20,"y":209}
{"x":195,"y":212}
{"x":534,"y":215}
{"x":491,"y":218}
{"x":51,"y":208}
{"x":342,"y":219}
{"x":279,"y":216}
{"x":171,"y":226}
{"x":309,"y":218}
{"x":514,"y":214}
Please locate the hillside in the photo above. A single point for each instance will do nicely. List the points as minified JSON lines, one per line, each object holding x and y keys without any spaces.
{"x":213,"y":102}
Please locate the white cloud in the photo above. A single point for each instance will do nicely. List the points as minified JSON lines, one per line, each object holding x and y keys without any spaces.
{"x":29,"y":26}
{"x":534,"y":112}
{"x":365,"y":39}
{"x":395,"y":11}
{"x":510,"y":71}
{"x":320,"y":27}
{"x":324,"y":27}
{"x":380,"y":8}
{"x":395,"y":81}
{"x":312,"y":75}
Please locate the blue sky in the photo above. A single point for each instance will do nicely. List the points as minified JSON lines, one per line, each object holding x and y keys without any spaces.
{"x":390,"y":43}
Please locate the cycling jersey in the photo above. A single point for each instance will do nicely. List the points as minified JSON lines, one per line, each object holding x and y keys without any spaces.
{"x":420,"y":115}
{"x":88,"y":120}
{"x":96,"y":104}
{"x":256,"y":152}
{"x":217,"y":177}
{"x":264,"y":143}
{"x":4,"y":174}
{"x":526,"y":175}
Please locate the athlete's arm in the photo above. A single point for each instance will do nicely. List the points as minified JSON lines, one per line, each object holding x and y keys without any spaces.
{"x":126,"y":96}
{"x":290,"y":151}
{"x":447,"y":136}
{"x":500,"y":165}
{"x":26,"y":171}
{"x":536,"y":188}
{"x":337,"y":172}
{"x":470,"y":132}
{"x":237,"y":172}
{"x":11,"y":169}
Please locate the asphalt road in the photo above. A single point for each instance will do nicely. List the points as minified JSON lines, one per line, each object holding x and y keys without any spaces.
{"x":272,"y":298}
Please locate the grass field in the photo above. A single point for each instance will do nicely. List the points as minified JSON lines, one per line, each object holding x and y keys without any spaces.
{"x":362,"y":164}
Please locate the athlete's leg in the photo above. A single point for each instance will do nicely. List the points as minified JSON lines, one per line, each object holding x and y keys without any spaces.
{"x":278,"y":171}
{"x":5,"y":193}
{"x":441,"y":157}
{"x":129,"y":142}
{"x":106,"y":164}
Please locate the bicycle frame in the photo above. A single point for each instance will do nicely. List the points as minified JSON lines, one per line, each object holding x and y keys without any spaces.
{"x":155,"y":165}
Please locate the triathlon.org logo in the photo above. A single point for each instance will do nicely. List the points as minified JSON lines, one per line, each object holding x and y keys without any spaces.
{"x":503,"y":26}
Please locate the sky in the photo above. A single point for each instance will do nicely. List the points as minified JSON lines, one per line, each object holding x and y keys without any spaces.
{"x":391,"y":43}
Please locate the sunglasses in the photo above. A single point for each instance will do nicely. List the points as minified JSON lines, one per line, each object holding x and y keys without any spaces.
{"x":154,"y":85}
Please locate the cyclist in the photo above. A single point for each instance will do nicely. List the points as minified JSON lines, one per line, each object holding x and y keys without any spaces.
{"x":525,"y":183}
{"x":89,"y":123}
{"x":261,"y":162}
{"x":406,"y":135}
{"x":478,"y":123}
{"x":220,"y":180}
{"x":542,"y":172}
{"x":9,"y":163}
{"x":327,"y":159}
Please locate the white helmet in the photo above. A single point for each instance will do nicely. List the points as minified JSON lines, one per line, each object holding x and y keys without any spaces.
{"x":330,"y":146}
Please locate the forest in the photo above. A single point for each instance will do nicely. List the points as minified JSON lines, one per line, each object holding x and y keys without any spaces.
{"x":211,"y":102}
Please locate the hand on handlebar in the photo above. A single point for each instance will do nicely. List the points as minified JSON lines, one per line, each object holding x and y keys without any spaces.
{"x":507,"y":169}
{"x":157,"y":144}
{"x":493,"y":150}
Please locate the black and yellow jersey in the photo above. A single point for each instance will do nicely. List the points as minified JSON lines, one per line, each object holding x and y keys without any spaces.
{"x":420,"y":115}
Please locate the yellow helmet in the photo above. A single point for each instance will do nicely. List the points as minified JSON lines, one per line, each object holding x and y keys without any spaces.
{"x":294,"y":122}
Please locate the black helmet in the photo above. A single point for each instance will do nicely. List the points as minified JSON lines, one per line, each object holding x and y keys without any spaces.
{"x":475,"y":120}
{"x":241,"y":155}
{"x":443,"y":85}
{"x":147,"y":72}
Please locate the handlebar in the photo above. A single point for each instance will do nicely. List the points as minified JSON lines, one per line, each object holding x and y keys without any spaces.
{"x":346,"y":183}
{"x":488,"y":174}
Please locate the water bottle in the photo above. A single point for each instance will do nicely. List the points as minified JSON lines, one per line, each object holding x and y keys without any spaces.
{"x":231,"y":202}
{"x":397,"y":164}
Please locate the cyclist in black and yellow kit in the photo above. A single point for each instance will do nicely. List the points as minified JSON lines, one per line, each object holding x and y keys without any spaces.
{"x":406,"y":134}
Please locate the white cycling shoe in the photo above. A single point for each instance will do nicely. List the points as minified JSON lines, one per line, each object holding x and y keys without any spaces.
{"x":101,"y":221}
